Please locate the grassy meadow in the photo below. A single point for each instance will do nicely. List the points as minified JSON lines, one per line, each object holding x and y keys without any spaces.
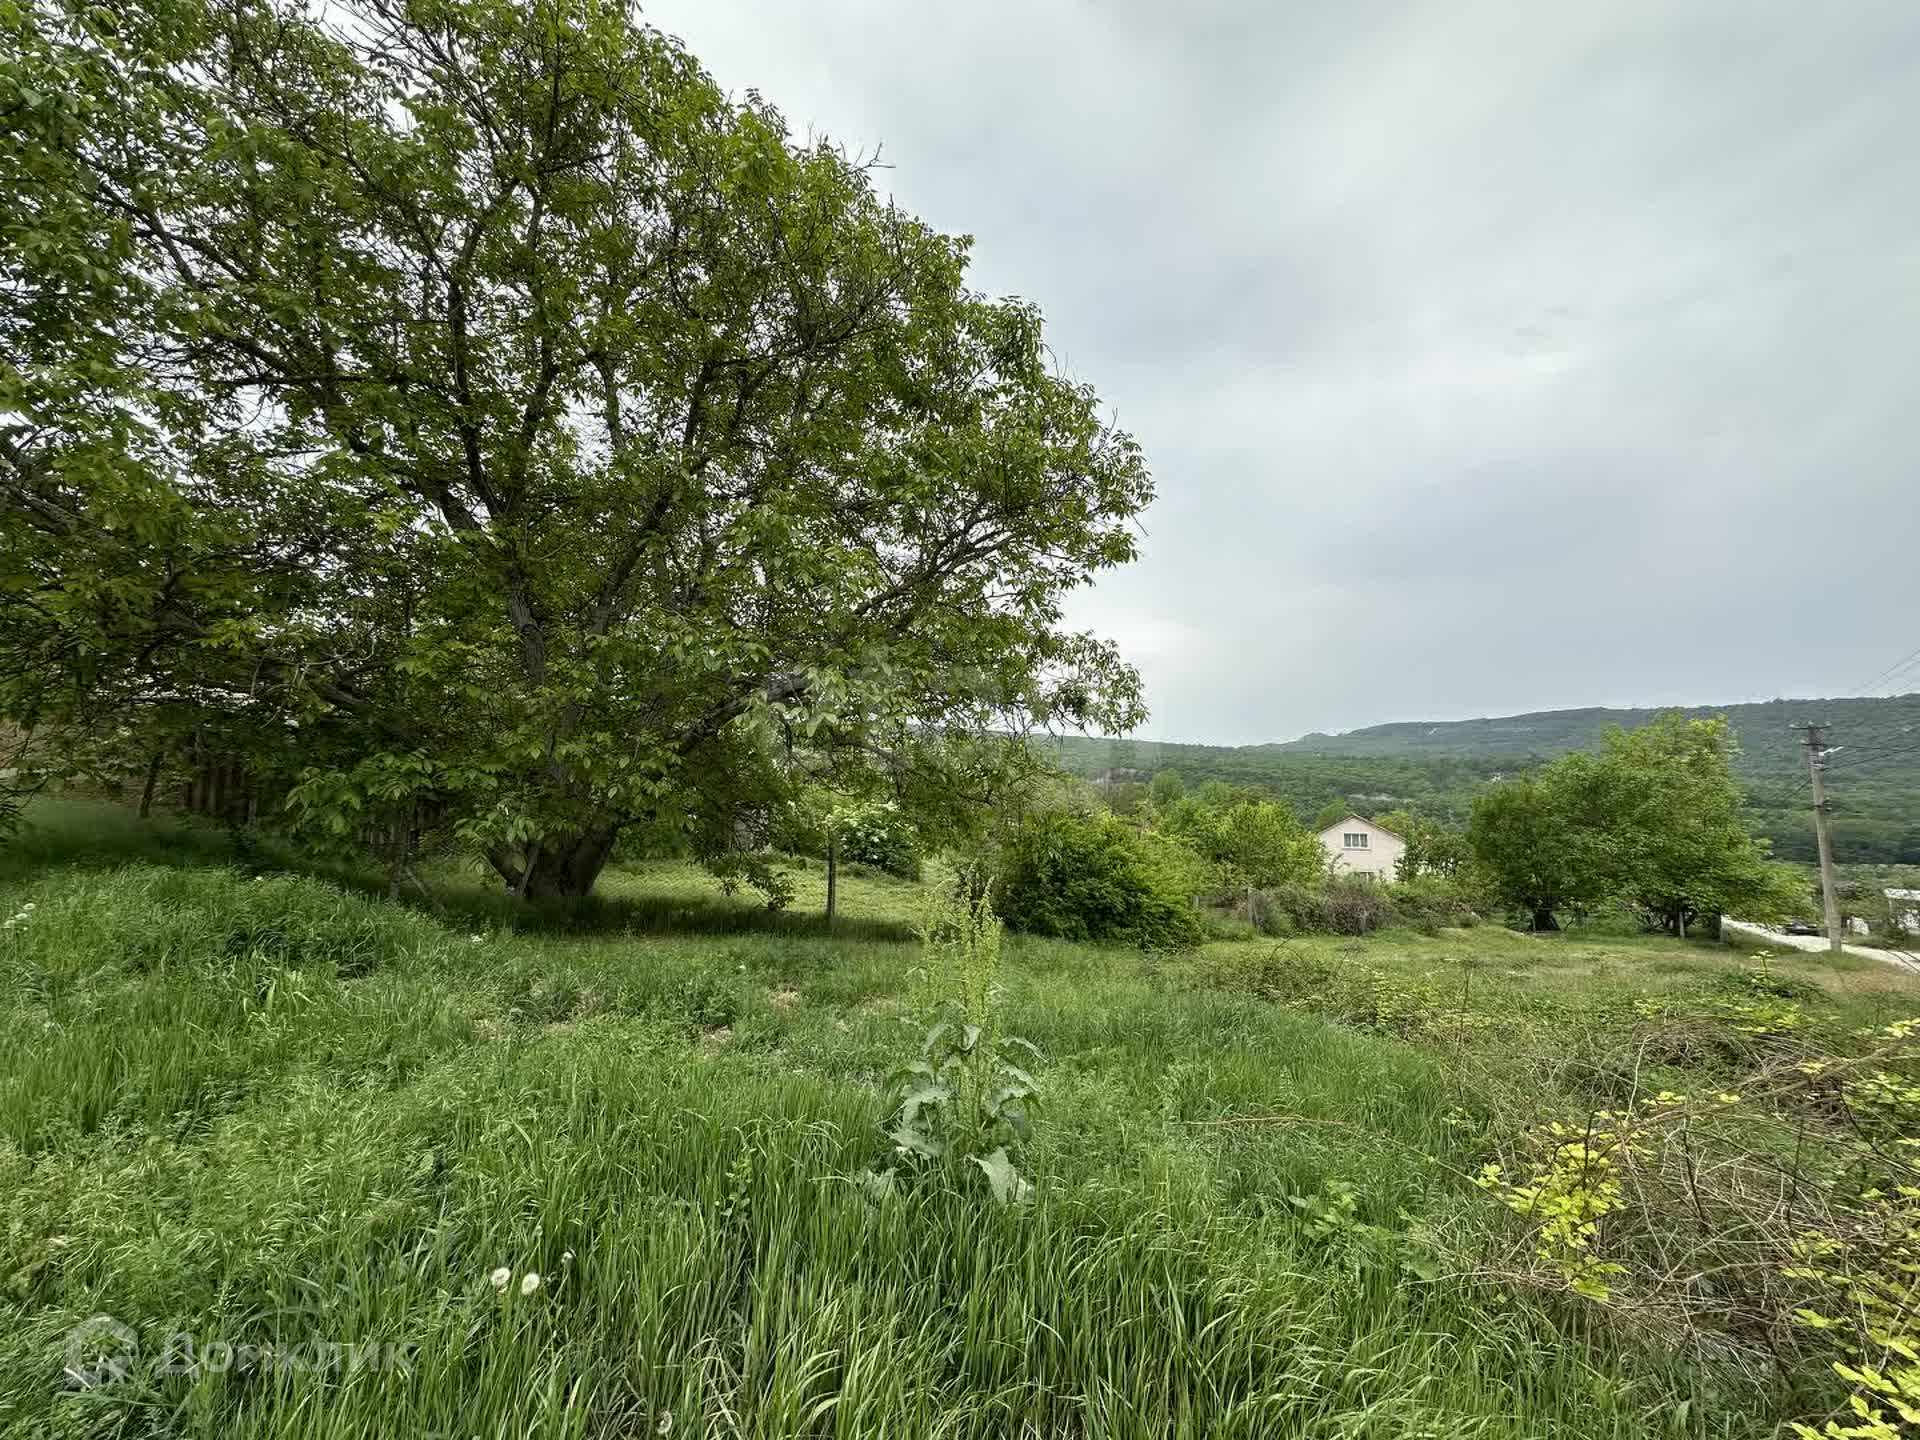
{"x":254,"y":1104}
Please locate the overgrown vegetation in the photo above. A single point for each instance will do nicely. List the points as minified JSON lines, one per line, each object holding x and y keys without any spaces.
{"x":525,"y":494}
{"x":768,"y":1181}
{"x":1096,"y":878}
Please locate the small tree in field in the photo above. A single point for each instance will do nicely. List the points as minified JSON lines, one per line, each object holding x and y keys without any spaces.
{"x":468,"y":407}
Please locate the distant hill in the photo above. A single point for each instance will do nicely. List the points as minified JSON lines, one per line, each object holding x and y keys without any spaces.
{"x":1437,"y":767}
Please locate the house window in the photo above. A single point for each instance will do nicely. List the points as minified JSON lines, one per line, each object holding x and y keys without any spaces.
{"x":1355,"y":839}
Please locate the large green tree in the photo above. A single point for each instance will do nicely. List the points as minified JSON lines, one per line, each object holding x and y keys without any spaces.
{"x":462,"y":407}
{"x":1545,"y":842}
{"x":1691,"y":854}
{"x":1655,"y":821}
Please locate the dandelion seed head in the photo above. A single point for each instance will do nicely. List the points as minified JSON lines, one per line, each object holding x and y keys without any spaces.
{"x":499,"y":1278}
{"x":530,"y":1282}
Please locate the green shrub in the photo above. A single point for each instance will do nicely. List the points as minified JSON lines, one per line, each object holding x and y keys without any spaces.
{"x":888,"y":850}
{"x":1432,"y":902}
{"x":873,"y":834}
{"x":1287,"y":909}
{"x":1271,"y":917}
{"x":1354,"y":905}
{"x":1338,"y":905}
{"x":1095,"y":878}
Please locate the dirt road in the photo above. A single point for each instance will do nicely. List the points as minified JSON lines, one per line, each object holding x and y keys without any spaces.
{"x":1899,"y":959}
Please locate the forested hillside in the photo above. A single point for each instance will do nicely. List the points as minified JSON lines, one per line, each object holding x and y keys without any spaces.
{"x":1436,"y":767}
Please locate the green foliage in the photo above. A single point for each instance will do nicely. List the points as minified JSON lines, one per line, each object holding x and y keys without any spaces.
{"x":1432,"y":848}
{"x":1688,"y":851}
{"x":1654,"y":821}
{"x":1545,"y":842}
{"x":1326,"y":787}
{"x":871,"y":832}
{"x":1348,"y":904}
{"x":1433,"y":901}
{"x":1167,"y":787}
{"x":1353,"y":905}
{"x":1243,"y":842}
{"x":1097,"y":879}
{"x":1570,"y":1188}
{"x":475,"y":413}
{"x":967,"y":1100}
{"x":883,"y":840}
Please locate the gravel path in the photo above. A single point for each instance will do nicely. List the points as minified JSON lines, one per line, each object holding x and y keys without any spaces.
{"x":1899,"y":959}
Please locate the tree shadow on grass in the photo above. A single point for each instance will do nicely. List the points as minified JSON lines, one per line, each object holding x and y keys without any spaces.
{"x":596,"y":915}
{"x":87,"y":834}
{"x":67,"y":833}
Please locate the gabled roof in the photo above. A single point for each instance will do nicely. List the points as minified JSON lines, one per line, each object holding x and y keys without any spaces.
{"x":1371,"y":824}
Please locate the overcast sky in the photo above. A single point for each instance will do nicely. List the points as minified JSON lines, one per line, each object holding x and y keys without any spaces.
{"x":1488,"y":356}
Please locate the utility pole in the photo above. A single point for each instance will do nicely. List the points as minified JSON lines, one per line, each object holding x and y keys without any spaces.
{"x":1816,"y":743}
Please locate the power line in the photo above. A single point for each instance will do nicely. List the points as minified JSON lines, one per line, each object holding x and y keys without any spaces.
{"x":1856,"y":757}
{"x":1887,"y":673}
{"x":1905,"y":675}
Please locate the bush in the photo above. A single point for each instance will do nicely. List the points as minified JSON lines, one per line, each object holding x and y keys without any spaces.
{"x":1432,"y":902}
{"x":877,"y":836}
{"x":1286,"y":909}
{"x":1095,"y":878}
{"x":1354,"y":905}
{"x":884,"y":842}
{"x":1340,"y":905}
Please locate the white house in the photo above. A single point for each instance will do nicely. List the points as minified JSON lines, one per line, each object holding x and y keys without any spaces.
{"x":1364,"y":848}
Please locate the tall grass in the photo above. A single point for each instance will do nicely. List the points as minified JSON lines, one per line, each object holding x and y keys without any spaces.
{"x":257,"y":1110}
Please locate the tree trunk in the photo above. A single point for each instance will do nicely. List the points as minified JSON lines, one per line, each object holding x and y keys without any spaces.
{"x":153,"y":777}
{"x":560,"y":867}
{"x":1543,"y":919}
{"x":833,"y":876}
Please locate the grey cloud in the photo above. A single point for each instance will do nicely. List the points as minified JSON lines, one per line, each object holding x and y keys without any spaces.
{"x":1490,"y":356}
